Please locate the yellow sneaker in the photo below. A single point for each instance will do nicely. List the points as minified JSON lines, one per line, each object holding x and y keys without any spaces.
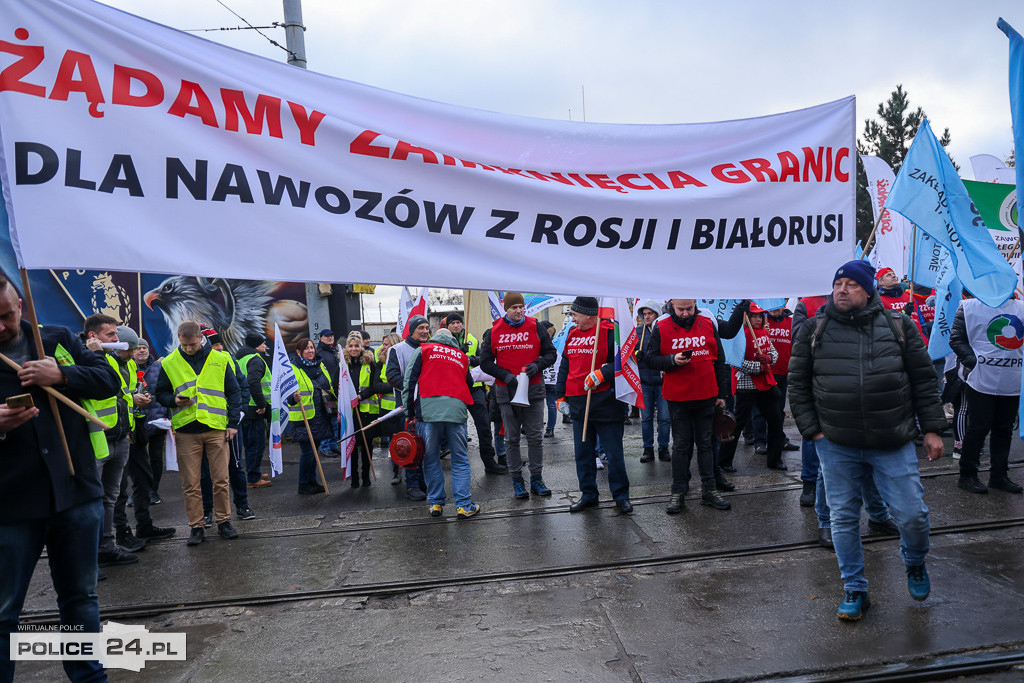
{"x":468,"y":511}
{"x":436,"y":510}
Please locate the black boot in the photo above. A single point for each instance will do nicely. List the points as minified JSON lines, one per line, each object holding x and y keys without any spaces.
{"x":723,"y":484}
{"x":354,"y":477}
{"x":677,"y":504}
{"x":366,"y":471}
{"x":809,"y":494}
{"x":648,"y":455}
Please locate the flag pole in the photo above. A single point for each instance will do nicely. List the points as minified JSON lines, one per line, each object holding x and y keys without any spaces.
{"x":871,"y":237}
{"x":61,"y":397}
{"x":380,"y":419}
{"x":590,"y":392}
{"x":30,"y":310}
{"x":366,"y":444}
{"x":312,"y":442}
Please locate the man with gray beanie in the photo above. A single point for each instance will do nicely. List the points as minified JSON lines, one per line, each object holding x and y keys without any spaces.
{"x":517,"y":343}
{"x":860,"y":382}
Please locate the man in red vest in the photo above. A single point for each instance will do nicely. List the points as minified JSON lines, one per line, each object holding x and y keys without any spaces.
{"x":890,"y":291}
{"x":588,"y":368}
{"x":685,"y":346}
{"x":440,"y":369}
{"x":755,"y":384}
{"x":515,"y":344}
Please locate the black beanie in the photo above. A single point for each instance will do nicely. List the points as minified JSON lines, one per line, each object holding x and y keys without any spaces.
{"x":861,"y":272}
{"x":585,"y":305}
{"x":454,"y":318}
{"x":253,"y":340}
{"x":415,"y":322}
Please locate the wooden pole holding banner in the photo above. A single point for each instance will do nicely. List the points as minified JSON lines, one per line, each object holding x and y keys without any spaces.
{"x":61,"y":397}
{"x":41,"y":354}
{"x":312,"y":442}
{"x":593,"y":364}
{"x":366,"y":444}
{"x":871,"y":237}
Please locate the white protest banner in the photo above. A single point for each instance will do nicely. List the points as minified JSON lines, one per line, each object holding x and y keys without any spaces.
{"x":110,"y":121}
{"x":892,"y":238}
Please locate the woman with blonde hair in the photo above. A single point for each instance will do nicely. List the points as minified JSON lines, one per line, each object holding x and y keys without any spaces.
{"x":367,"y":379}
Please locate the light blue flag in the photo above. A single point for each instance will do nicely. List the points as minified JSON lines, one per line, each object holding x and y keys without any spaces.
{"x":947,"y":299}
{"x":933,"y":266}
{"x":929,"y":193}
{"x":1017,"y":116}
{"x":858,"y":253}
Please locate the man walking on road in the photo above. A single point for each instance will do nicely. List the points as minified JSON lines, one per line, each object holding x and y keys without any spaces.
{"x":857,"y":376}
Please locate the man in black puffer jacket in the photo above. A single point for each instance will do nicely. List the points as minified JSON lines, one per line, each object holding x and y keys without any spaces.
{"x":858,"y":377}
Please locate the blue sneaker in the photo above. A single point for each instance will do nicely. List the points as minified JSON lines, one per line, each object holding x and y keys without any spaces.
{"x":538,"y":488}
{"x":918,"y":584}
{"x":467,"y":511}
{"x":852,"y":608}
{"x":519,"y":488}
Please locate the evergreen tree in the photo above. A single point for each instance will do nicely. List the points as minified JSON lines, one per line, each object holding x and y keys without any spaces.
{"x":888,"y":138}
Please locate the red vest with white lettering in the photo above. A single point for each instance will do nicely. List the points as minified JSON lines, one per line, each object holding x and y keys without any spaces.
{"x":781,"y":333}
{"x":813,"y":303}
{"x":696,"y":380}
{"x":515,"y":347}
{"x":894,"y":303}
{"x":766,"y":381}
{"x":443,"y":372}
{"x":579,"y":349}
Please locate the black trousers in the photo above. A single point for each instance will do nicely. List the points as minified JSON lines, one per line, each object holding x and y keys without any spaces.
{"x":691,"y":425}
{"x":482,"y":422}
{"x":992,"y":415}
{"x":141,"y":477}
{"x":768,"y":403}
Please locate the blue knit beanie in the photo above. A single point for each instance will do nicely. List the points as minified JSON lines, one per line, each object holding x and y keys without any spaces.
{"x":861,"y":272}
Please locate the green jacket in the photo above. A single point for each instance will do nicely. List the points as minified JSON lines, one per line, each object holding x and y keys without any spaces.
{"x":861,"y":387}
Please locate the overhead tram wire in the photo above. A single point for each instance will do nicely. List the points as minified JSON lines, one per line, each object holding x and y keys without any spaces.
{"x":248,"y":26}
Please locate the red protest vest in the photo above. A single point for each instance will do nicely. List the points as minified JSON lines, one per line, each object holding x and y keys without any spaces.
{"x":515,"y":347}
{"x":761,"y":382}
{"x":894,"y":303}
{"x":694,"y":381}
{"x":781,"y":333}
{"x":443,"y":372}
{"x":813,"y":303}
{"x":579,"y":349}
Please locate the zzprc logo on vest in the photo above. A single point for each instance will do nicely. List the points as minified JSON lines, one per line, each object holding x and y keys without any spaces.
{"x":1006,"y":332}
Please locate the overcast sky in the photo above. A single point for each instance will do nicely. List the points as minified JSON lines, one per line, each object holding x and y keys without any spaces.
{"x":648,"y":61}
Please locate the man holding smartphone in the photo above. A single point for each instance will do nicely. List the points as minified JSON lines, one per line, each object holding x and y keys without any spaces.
{"x":41,"y":503}
{"x":686,"y":348}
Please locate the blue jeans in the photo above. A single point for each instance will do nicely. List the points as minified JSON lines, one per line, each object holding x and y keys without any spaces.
{"x":71,"y":539}
{"x":653,"y":400}
{"x":896,"y":475}
{"x":551,"y":396}
{"x":878,"y":511}
{"x":610,"y":434}
{"x":433,"y":433}
{"x":809,"y":464}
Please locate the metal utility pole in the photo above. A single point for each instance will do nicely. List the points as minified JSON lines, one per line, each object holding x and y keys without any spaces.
{"x":294,"y":36}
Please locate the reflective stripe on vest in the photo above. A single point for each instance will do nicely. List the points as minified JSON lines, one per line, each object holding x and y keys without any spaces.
{"x":97,"y":438}
{"x":243,"y":363}
{"x":210,"y":406}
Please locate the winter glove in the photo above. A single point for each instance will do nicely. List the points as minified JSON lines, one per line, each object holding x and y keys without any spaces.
{"x":765,"y":369}
{"x":763,"y":359}
{"x":512,"y":382}
{"x":365,"y":393}
{"x":531,"y":370}
{"x":474,"y":361}
{"x":593,"y":380}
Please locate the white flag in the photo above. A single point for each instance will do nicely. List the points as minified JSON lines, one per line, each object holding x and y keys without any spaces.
{"x":282,"y":385}
{"x":348,"y":400}
{"x":408,"y":306}
{"x":893,"y":236}
{"x":627,"y":374}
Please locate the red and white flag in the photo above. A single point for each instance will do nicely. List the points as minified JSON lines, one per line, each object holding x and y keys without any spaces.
{"x":627,"y":374}
{"x":408,"y":306}
{"x":348,"y":400}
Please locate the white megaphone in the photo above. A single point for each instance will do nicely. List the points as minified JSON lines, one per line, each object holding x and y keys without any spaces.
{"x":522,"y":397}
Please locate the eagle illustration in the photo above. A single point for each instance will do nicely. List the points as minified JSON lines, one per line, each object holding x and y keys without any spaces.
{"x":234,"y":308}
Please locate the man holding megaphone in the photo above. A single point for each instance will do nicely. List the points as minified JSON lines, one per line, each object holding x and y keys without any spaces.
{"x":516,"y":349}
